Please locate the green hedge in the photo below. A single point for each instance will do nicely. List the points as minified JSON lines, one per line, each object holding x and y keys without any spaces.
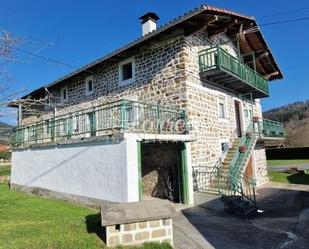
{"x":5,"y":155}
{"x":287,"y":153}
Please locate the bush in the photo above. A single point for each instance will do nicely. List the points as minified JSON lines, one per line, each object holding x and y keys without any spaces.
{"x":5,"y":155}
{"x":287,"y":153}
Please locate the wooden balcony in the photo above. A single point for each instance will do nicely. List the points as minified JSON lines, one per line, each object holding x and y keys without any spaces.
{"x":222,"y":68}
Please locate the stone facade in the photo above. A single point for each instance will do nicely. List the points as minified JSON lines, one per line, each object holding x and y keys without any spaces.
{"x":159,"y":79}
{"x":208,"y":129}
{"x":260,"y":165}
{"x":167,"y":73}
{"x":158,"y":161}
{"x":160,"y":230}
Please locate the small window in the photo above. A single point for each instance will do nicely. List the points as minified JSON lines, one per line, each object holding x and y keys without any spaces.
{"x":47,"y":127}
{"x":246,"y":113}
{"x":89,"y":85}
{"x":224,"y":147}
{"x":221,"y":110}
{"x":64,"y":94}
{"x":222,"y":107}
{"x":126,"y":71}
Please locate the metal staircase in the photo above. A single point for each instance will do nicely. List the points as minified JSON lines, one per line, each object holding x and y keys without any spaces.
{"x":227,"y":178}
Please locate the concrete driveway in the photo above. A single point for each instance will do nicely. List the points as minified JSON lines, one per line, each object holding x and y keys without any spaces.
{"x":283,"y":225}
{"x":287,"y":167}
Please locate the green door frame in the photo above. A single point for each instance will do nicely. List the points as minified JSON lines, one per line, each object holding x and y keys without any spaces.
{"x":183,"y":166}
{"x":139,"y":167}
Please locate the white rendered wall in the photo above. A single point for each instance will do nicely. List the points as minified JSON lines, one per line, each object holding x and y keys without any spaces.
{"x":97,"y":170}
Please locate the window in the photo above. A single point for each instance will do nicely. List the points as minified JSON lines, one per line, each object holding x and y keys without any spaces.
{"x":89,"y":85}
{"x":222,"y":108}
{"x":126,"y":72}
{"x":224,"y":147}
{"x":64,"y":94}
{"x":75,"y":124}
{"x":91,"y":124}
{"x":246,"y":113}
{"x":47,"y":127}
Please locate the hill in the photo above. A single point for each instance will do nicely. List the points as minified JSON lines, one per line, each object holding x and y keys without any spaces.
{"x":295,"y":117}
{"x":5,"y":132}
{"x":295,"y":111}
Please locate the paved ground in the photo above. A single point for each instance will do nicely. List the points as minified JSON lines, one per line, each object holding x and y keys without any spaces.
{"x":283,"y":225}
{"x":287,"y":167}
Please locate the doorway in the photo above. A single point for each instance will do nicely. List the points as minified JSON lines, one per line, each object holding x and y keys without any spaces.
{"x":162,"y":171}
{"x":238,"y":118}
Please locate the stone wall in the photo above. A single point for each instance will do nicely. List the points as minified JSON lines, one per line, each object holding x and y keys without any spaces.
{"x":260,"y":164}
{"x":160,"y":230}
{"x":208,"y":129}
{"x":158,"y":160}
{"x":159,"y":79}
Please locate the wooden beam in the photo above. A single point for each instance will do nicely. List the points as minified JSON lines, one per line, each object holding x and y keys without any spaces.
{"x":268,"y":76}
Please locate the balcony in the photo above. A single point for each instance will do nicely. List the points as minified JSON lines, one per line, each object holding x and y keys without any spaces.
{"x":222,"y":68}
{"x":109,"y":119}
{"x":268,"y":129}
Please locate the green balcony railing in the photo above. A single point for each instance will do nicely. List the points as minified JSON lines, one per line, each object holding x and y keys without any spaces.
{"x":270,"y":129}
{"x":110,"y":118}
{"x":217,"y":58}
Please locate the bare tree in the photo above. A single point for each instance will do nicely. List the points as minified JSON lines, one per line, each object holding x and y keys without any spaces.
{"x":8,"y":43}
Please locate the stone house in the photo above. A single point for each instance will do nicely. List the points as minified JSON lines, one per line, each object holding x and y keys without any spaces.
{"x":157,"y":118}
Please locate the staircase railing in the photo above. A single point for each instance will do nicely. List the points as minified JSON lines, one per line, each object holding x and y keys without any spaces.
{"x":205,"y":177}
{"x":246,"y":142}
{"x":237,"y":190}
{"x":237,"y":193}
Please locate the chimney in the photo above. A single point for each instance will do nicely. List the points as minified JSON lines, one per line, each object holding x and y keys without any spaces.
{"x":149,"y":22}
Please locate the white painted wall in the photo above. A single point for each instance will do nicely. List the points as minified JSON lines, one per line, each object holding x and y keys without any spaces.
{"x":132,"y":169}
{"x":97,"y":170}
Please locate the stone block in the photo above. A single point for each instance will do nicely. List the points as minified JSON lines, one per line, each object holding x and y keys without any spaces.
{"x":142,"y":236}
{"x":154,"y":223}
{"x":127,"y":238}
{"x":158,"y":233}
{"x":129,"y":227}
{"x":142,"y":224}
{"x":113,"y":240}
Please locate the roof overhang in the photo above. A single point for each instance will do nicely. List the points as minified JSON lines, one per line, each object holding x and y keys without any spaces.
{"x":211,"y":19}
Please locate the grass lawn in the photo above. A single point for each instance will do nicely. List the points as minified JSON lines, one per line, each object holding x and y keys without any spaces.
{"x":286,"y":162}
{"x":283,"y":177}
{"x":38,"y":223}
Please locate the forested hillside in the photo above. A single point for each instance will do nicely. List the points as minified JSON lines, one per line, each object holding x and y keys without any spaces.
{"x":5,"y":133}
{"x":295,"y":117}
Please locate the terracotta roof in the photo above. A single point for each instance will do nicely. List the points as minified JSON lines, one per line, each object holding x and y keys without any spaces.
{"x":4,"y":147}
{"x":198,"y":14}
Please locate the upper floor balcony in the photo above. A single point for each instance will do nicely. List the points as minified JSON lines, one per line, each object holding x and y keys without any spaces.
{"x":108,"y":119}
{"x":222,"y":68}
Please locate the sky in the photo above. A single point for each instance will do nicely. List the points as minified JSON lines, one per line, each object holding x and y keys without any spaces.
{"x":78,"y":32}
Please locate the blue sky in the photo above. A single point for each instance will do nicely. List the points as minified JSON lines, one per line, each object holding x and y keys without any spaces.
{"x":85,"y":30}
